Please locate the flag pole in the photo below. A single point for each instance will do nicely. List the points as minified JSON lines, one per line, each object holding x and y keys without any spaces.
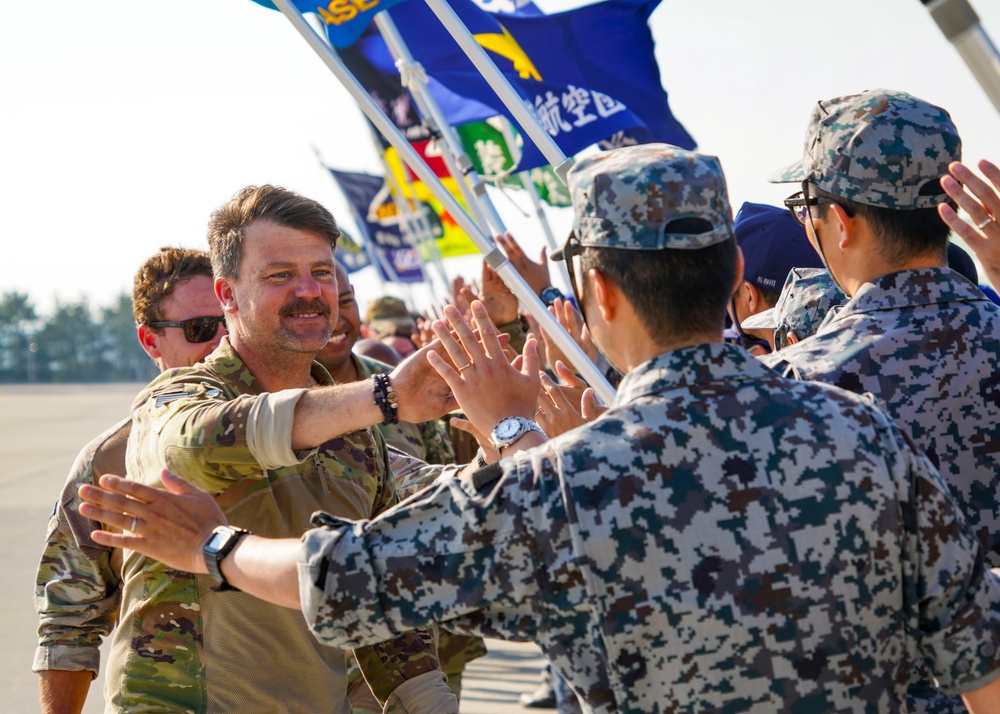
{"x":493,"y":256}
{"x":373,"y":260}
{"x":529,"y":186}
{"x":417,"y":225}
{"x":508,"y":95}
{"x":432,"y":254}
{"x":412,"y":75}
{"x":961,"y":27}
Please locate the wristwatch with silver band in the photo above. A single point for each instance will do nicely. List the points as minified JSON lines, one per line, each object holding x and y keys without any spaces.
{"x":510,"y":429}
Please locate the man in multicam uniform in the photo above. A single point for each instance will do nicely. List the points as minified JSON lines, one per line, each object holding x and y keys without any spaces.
{"x":917,"y":335}
{"x":246,"y":426}
{"x":78,"y":586}
{"x":428,"y":441}
{"x":720,"y":539}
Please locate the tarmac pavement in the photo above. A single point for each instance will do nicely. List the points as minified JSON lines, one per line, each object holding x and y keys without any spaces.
{"x":41,"y":430}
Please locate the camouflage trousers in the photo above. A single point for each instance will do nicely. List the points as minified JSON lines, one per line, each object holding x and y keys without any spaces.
{"x":454,"y":652}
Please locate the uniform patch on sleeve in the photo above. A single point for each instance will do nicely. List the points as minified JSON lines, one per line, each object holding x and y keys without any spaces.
{"x":486,"y":477}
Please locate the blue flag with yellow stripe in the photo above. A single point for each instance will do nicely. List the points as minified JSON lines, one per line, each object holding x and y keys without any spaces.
{"x":588,"y":74}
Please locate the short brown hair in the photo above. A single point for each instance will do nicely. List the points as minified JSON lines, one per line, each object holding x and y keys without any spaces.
{"x":158,"y":277}
{"x":228,"y":224}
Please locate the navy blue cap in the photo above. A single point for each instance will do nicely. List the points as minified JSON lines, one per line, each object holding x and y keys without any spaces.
{"x":962,"y":263}
{"x":773,"y":243}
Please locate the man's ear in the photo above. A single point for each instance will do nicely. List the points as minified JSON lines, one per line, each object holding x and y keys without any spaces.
{"x":149,"y":341}
{"x":606,"y":294}
{"x":227,"y":298}
{"x":843,"y":225}
{"x":754,"y":298}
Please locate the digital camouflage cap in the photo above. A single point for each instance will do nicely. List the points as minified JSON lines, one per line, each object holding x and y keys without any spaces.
{"x":880,"y":148}
{"x":628,"y":198}
{"x":807,"y":297}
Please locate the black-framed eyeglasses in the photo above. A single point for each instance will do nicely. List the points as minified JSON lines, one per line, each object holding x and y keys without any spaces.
{"x":800,"y":201}
{"x":196,"y":329}
{"x":572,"y":248}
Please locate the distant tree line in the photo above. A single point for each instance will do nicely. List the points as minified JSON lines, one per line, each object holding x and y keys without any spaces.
{"x":73,"y":344}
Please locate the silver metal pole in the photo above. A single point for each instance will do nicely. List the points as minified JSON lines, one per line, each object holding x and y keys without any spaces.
{"x":414,"y":79}
{"x":961,"y":27}
{"x":529,"y":186}
{"x":416,"y":225}
{"x":493,"y":256}
{"x":511,"y":99}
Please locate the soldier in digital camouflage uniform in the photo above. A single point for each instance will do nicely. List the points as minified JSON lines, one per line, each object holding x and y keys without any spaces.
{"x":428,"y":442}
{"x":721,"y":539}
{"x":916,"y":334}
{"x":806,"y":300}
{"x":78,"y":585}
{"x":233,"y":425}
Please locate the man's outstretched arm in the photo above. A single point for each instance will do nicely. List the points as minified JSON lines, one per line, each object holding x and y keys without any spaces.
{"x":174,"y":529}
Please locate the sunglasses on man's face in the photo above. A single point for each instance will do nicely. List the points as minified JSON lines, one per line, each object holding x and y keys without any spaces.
{"x":196,"y":329}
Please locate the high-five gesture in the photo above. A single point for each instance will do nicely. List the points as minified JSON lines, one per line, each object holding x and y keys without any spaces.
{"x":487,"y":386}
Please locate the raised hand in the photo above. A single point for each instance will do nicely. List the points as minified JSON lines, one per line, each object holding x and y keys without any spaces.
{"x":982,"y":202}
{"x":535,"y":274}
{"x":487,"y":386}
{"x":501,"y":303}
{"x":169,"y":524}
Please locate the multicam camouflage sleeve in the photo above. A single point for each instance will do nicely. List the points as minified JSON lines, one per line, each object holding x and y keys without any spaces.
{"x":77,"y":589}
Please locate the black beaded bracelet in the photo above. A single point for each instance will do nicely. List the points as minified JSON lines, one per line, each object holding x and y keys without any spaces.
{"x":385,"y":398}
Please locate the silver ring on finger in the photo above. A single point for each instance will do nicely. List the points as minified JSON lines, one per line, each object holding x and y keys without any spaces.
{"x":989,"y":220}
{"x":135,"y":522}
{"x":471,"y":364}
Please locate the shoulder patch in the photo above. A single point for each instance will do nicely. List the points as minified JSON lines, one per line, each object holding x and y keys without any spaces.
{"x":486,"y":476}
{"x":162,"y":399}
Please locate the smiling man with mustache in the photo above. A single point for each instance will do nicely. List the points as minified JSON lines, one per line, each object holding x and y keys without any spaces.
{"x":261,"y":426}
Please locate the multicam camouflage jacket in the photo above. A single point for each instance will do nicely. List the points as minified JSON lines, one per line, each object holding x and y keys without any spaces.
{"x":78,"y":585}
{"x":427,"y":442}
{"x":926,"y":344}
{"x":720,"y":539}
{"x":180,"y":646}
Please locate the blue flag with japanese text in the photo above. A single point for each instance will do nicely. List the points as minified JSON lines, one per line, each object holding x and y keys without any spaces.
{"x":345,"y":20}
{"x":588,"y":74}
{"x":375,"y":213}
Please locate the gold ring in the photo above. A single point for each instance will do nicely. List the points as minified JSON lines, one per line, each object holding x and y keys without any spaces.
{"x":985,"y":223}
{"x":471,"y":364}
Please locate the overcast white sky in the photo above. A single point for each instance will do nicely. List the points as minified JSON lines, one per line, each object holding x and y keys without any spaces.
{"x":123,"y":124}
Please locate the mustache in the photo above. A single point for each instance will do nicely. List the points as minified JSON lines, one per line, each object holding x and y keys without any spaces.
{"x":300,"y":306}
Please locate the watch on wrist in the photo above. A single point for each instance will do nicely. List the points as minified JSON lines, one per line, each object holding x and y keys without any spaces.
{"x":549,"y":295}
{"x":510,"y":429}
{"x":218,"y":546}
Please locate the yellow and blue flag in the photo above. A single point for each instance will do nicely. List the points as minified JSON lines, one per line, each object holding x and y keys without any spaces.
{"x":345,"y":20}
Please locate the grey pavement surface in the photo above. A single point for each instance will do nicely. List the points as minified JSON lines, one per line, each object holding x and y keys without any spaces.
{"x":41,"y":430}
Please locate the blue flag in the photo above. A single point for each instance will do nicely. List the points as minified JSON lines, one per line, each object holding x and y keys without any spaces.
{"x":375,"y":213}
{"x":345,"y":20}
{"x":350,"y":253}
{"x":588,"y":74}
